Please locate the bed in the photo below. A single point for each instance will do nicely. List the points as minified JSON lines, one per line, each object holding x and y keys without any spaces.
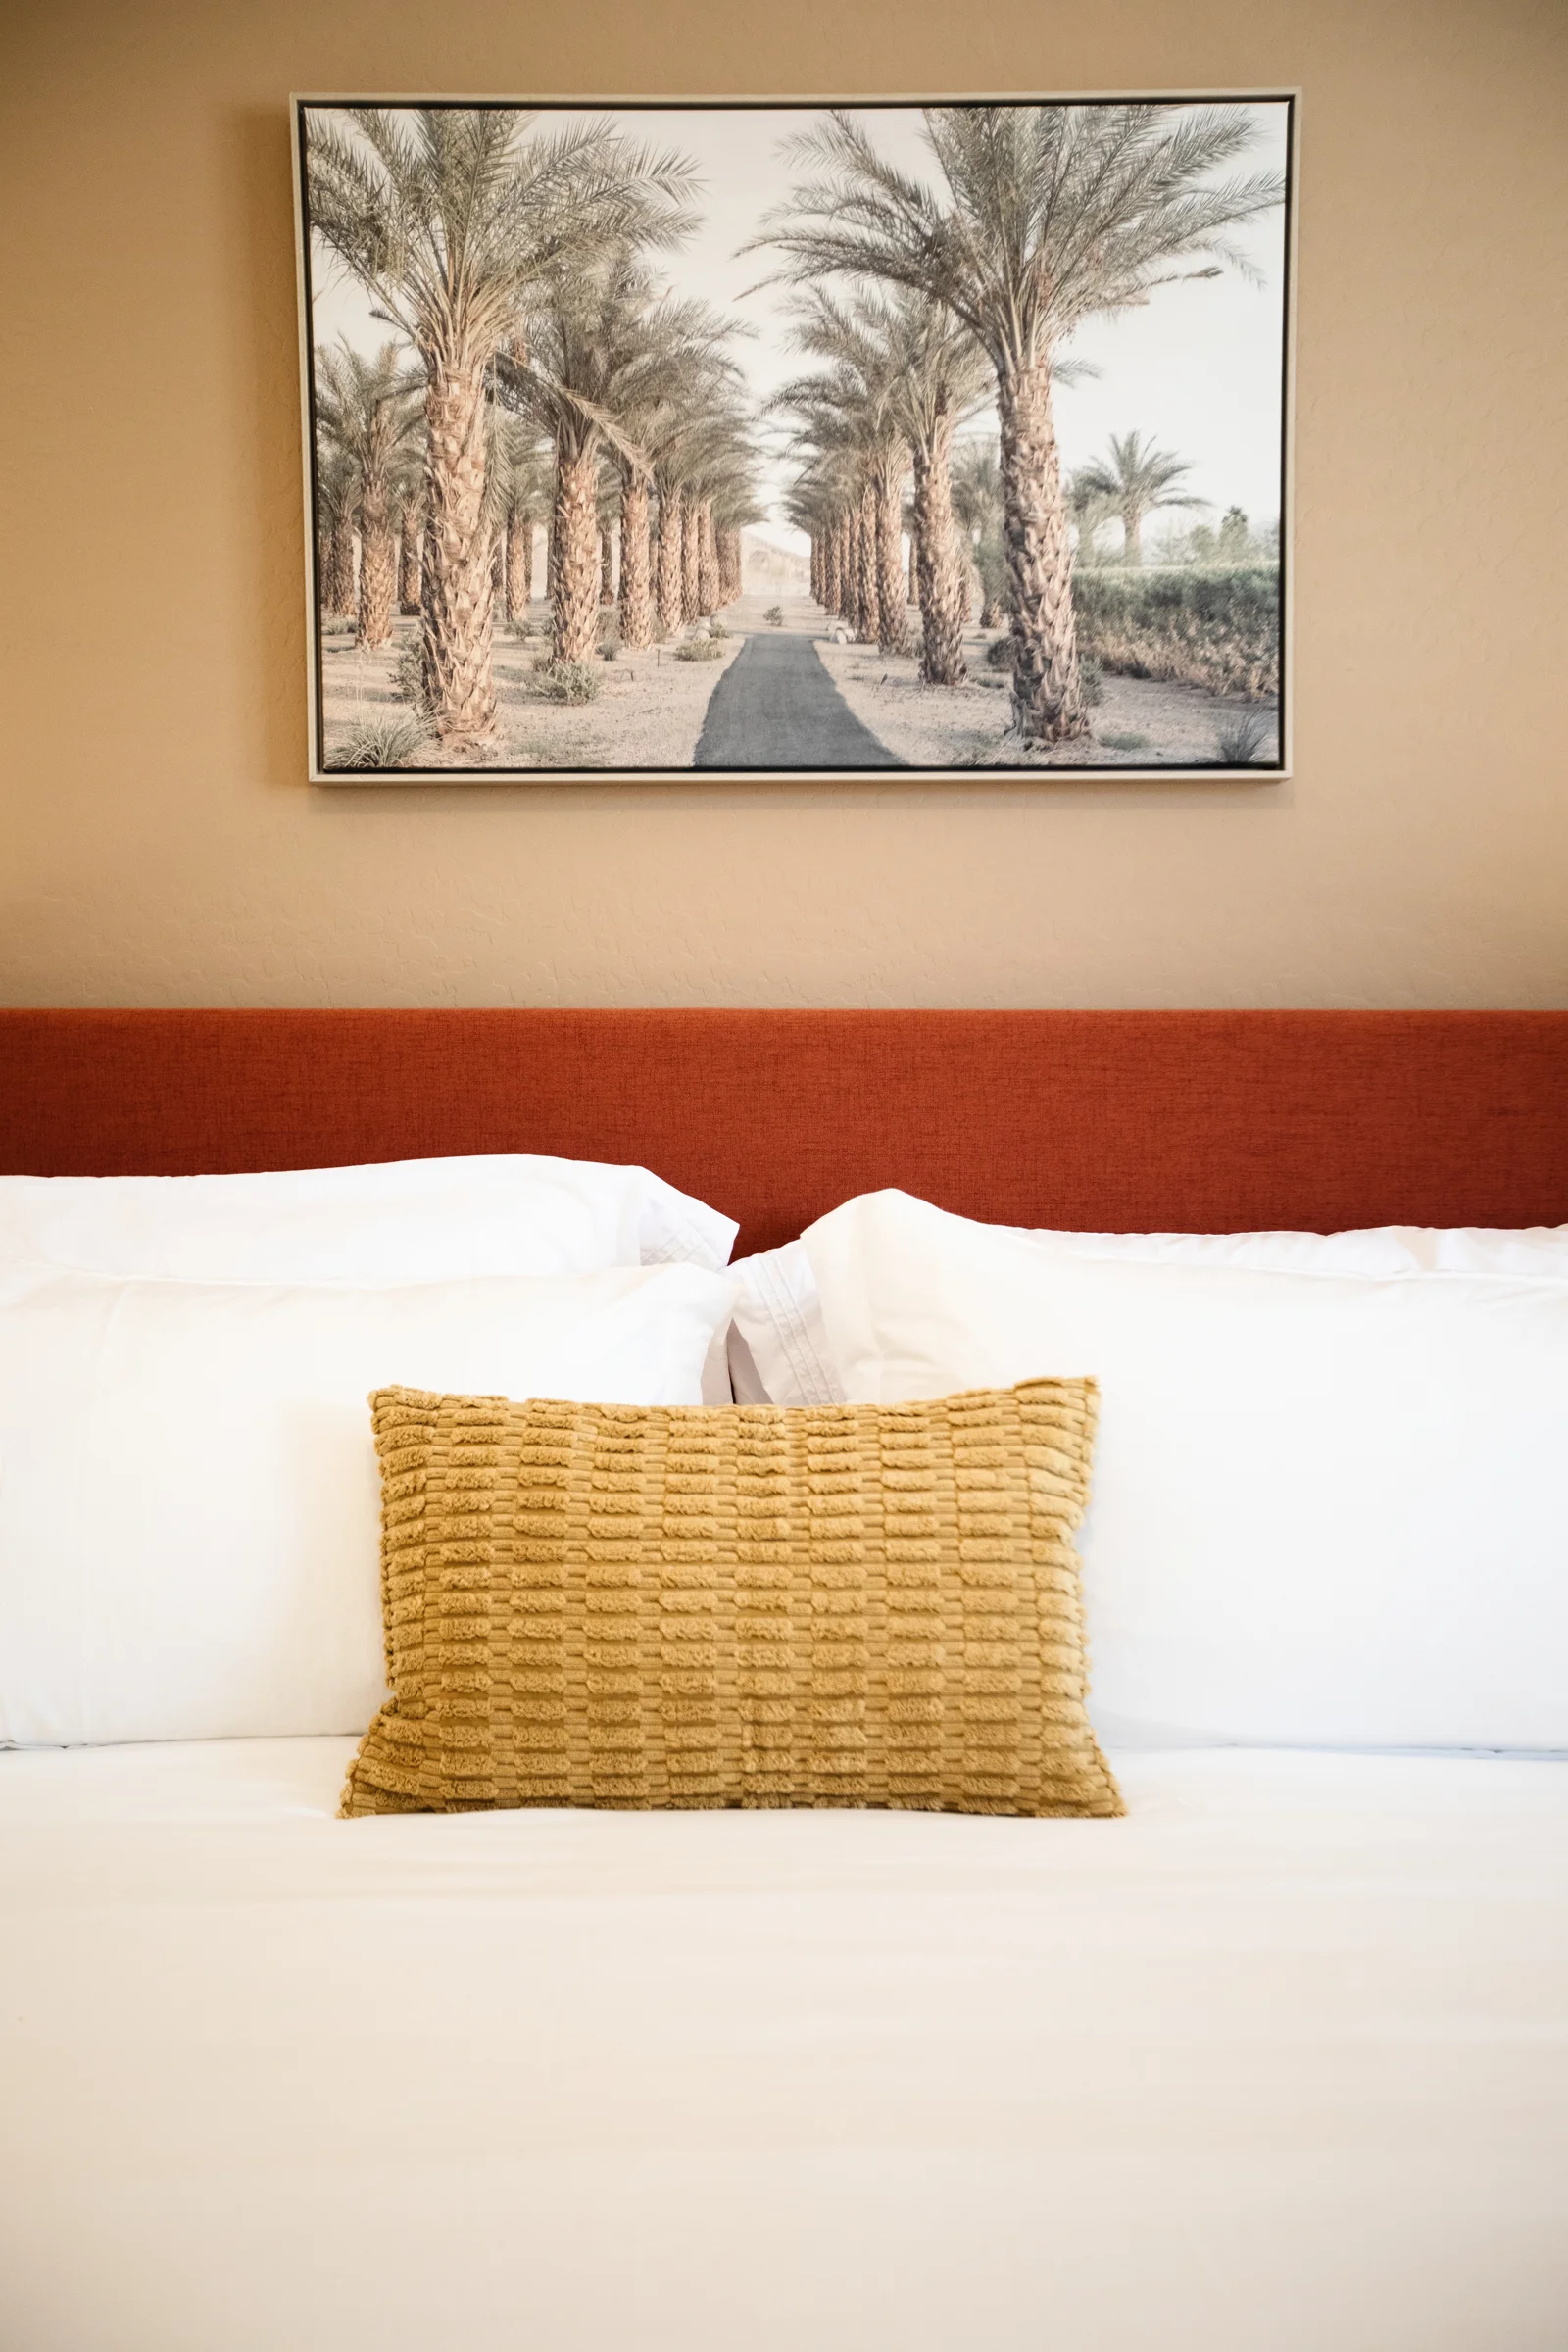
{"x":1279,"y":2059}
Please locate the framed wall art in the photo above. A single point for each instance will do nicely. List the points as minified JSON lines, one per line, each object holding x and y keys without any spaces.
{"x":748,"y":438}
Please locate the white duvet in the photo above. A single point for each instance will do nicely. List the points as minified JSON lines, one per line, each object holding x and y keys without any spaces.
{"x":1277,"y":2064}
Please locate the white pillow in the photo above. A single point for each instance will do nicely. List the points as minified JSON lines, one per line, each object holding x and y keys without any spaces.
{"x":406,"y":1220}
{"x":1328,"y":1508}
{"x":779,"y":1351}
{"x":779,"y":1348}
{"x":189,"y":1510}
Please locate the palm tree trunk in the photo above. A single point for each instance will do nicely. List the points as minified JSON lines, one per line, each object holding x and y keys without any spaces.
{"x":690,"y":535}
{"x":636,"y":582}
{"x":1047,"y":704}
{"x":337,"y":589}
{"x":943,"y":590}
{"x":457,"y":610}
{"x":519,"y":563}
{"x":408,"y":559}
{"x":607,"y":570}
{"x":378,"y":567}
{"x":866,"y":567}
{"x":892,"y":626}
{"x":669,"y":569}
{"x":707,"y":559}
{"x":914,"y":563}
{"x":843,"y":567}
{"x":426,"y":564}
{"x":1132,"y":524}
{"x":576,"y":541}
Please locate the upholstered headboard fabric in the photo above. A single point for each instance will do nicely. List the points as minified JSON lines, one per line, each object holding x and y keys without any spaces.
{"x":1190,"y":1121}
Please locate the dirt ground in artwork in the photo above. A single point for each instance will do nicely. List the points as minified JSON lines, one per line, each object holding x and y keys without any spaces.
{"x":648,"y":714}
{"x":650,"y":709}
{"x":1137,"y":722}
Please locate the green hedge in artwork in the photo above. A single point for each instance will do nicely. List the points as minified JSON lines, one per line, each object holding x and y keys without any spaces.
{"x":1218,"y":629}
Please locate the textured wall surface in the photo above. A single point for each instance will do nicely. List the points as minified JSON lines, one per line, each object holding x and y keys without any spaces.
{"x":160,"y":844}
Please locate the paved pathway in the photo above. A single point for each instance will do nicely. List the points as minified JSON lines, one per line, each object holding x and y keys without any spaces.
{"x":776,"y":707}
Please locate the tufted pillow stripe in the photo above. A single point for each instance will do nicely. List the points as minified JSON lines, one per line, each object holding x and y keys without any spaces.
{"x":647,"y":1606}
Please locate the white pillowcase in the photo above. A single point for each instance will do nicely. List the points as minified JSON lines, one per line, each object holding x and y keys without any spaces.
{"x":1330,"y":1508}
{"x":190,"y":1508}
{"x":779,"y":1351}
{"x":406,"y":1220}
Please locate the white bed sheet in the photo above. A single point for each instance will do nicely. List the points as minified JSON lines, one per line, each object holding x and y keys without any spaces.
{"x":1278,"y":2064}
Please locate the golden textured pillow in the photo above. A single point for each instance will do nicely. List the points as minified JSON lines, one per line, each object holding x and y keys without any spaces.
{"x":596,"y":1605}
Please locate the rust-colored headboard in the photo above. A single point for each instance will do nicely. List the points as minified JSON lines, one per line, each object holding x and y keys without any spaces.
{"x":1194,"y":1121}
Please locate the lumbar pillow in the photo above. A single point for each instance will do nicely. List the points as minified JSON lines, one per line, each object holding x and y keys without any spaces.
{"x":398,"y":1221}
{"x":1329,"y":1506}
{"x":594,"y":1607}
{"x":189,"y":1495}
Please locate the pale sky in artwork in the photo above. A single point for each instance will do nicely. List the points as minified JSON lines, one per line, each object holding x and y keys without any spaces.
{"x":1198,"y":370}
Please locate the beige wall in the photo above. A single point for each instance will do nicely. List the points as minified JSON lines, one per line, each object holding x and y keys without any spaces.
{"x":160,"y":846}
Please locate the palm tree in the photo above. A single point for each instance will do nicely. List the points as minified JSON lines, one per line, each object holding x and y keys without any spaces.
{"x":410,"y":537}
{"x":683,"y":378}
{"x":336,"y":495}
{"x":452,"y":217}
{"x":1048,"y":216}
{"x":593,"y":369}
{"x":857,"y":401}
{"x":1089,"y":508}
{"x":719,"y":465}
{"x":518,"y":487}
{"x":977,"y":502}
{"x":372,"y":412}
{"x":937,"y":378}
{"x":845,"y":446}
{"x":1135,"y":481}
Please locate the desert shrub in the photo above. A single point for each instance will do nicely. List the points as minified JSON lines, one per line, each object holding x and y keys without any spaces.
{"x":717,"y":628}
{"x":566,"y":682}
{"x":1218,"y":629}
{"x":998,"y":652}
{"x":699,"y":649}
{"x":774,"y":616}
{"x":389,"y":742}
{"x":1091,"y":679}
{"x":1126,"y":742}
{"x":1242,"y":737}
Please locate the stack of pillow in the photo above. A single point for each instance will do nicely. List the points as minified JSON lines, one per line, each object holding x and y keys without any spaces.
{"x":1331,"y":1484}
{"x":1330,"y":1491}
{"x":189,"y":1495}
